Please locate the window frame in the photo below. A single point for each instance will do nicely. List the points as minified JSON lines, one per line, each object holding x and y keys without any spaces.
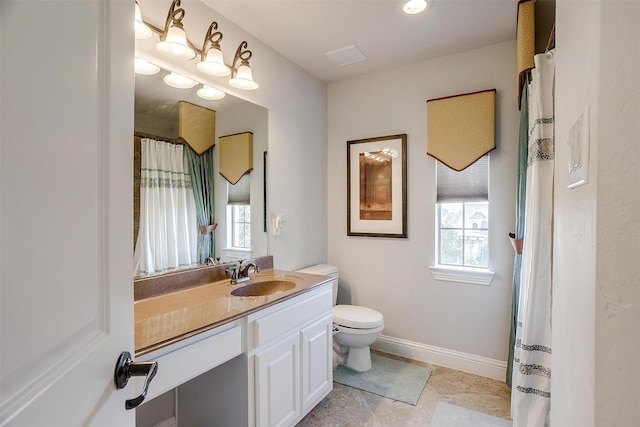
{"x":461,"y":273}
{"x":231,"y":223}
{"x":463,"y":229}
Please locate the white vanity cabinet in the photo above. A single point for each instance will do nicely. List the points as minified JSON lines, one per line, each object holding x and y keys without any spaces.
{"x":316,"y":359}
{"x":289,"y":358}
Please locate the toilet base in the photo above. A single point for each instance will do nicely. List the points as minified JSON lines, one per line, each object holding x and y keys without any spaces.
{"x":359,"y":358}
{"x":340,"y":348}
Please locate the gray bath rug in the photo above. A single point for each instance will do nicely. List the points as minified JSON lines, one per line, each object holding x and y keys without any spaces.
{"x":447,"y":415}
{"x":387,"y":378}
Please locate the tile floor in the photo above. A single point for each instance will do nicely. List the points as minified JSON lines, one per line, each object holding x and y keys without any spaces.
{"x":350,"y":407}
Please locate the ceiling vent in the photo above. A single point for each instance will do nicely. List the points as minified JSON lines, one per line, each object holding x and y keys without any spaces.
{"x":347,"y":55}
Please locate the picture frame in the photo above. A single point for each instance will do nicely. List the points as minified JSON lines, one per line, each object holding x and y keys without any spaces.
{"x":377,"y":187}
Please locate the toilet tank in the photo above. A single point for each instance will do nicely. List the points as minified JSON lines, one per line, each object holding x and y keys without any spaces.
{"x":325,"y":270}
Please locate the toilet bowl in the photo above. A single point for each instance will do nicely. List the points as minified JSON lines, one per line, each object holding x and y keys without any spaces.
{"x":355,"y":328}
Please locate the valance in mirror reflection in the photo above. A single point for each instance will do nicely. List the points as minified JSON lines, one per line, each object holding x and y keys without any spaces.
{"x":238,"y":234}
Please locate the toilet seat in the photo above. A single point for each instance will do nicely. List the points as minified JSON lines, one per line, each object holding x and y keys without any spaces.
{"x":356,"y":317}
{"x":357,"y":331}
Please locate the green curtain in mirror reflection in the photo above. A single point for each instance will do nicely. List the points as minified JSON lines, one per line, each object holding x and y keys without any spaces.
{"x":521,"y":190}
{"x":201,"y":170}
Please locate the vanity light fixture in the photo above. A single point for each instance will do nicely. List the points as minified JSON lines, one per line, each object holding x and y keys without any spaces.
{"x":211,"y":60}
{"x":142,"y":31}
{"x":242,"y":77}
{"x":416,"y":6}
{"x":174,"y":42}
{"x":210,"y":93}
{"x":179,"y":81}
{"x":146,"y":68}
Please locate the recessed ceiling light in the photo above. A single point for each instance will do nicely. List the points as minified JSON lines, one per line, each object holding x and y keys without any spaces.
{"x":416,"y":6}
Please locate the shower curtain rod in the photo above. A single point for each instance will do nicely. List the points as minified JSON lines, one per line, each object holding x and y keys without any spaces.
{"x":159,"y":138}
{"x":552,"y":38}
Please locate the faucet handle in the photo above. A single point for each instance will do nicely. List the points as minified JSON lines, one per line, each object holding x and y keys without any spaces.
{"x":233,"y":271}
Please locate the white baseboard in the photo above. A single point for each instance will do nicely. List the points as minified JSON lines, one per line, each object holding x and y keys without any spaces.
{"x":478,"y":365}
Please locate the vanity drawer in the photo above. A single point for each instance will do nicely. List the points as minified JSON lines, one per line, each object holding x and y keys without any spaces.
{"x":290,"y":315}
{"x":185,"y":363}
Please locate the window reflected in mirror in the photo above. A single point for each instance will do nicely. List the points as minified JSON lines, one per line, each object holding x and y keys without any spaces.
{"x":240,"y":229}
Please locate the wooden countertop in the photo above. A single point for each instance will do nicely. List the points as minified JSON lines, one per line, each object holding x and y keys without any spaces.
{"x":168,"y":318}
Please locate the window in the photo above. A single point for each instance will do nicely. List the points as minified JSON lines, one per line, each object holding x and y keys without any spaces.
{"x":464,"y":234}
{"x":462,"y":212}
{"x":240,"y":226}
{"x":239,"y":214}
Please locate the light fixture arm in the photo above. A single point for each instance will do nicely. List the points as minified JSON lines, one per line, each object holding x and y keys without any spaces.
{"x":174,"y":17}
{"x":242,"y":54}
{"x":213,"y":37}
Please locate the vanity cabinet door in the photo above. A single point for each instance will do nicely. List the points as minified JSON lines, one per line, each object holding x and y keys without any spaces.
{"x":278,"y":383}
{"x":317,"y":372}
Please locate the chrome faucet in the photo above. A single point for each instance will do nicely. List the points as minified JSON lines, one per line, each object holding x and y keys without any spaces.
{"x":243,"y":272}
{"x":239,"y":273}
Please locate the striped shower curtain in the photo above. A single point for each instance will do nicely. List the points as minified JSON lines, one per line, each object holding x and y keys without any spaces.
{"x":531,"y":382}
{"x":167,"y":237}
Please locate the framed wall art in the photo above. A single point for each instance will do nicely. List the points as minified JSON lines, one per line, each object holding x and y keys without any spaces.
{"x":377,"y":187}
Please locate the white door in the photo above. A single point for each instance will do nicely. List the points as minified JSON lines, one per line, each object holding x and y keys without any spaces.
{"x":66,"y":295}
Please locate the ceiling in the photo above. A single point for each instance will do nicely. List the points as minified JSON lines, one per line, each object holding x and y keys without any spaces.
{"x":305,"y":30}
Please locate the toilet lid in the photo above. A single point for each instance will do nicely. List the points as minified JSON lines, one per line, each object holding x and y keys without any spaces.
{"x":354,"y":316}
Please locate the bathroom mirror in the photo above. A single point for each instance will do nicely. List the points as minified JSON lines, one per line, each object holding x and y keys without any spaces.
{"x":156,"y":114}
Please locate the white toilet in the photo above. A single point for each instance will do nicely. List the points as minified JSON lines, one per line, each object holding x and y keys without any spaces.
{"x":355,"y":328}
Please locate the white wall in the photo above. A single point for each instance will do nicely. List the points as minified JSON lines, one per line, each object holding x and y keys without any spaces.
{"x":392,"y":275}
{"x":296,"y":101}
{"x":596,"y":301}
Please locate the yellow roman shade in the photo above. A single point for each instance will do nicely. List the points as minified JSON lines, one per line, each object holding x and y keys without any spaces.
{"x":525,"y":40}
{"x":236,"y":155}
{"x":196,"y":126}
{"x":461,"y":128}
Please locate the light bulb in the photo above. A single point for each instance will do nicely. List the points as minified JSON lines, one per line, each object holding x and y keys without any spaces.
{"x":179,"y":81}
{"x":414,"y":6}
{"x":243,"y":79}
{"x":145,"y":68}
{"x":210,"y":93}
{"x":175,"y":44}
{"x":213,"y":64}
{"x":142,"y":31}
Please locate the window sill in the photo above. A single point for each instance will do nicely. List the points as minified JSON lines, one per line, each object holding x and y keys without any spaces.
{"x":474,"y":276}
{"x":236,"y":254}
